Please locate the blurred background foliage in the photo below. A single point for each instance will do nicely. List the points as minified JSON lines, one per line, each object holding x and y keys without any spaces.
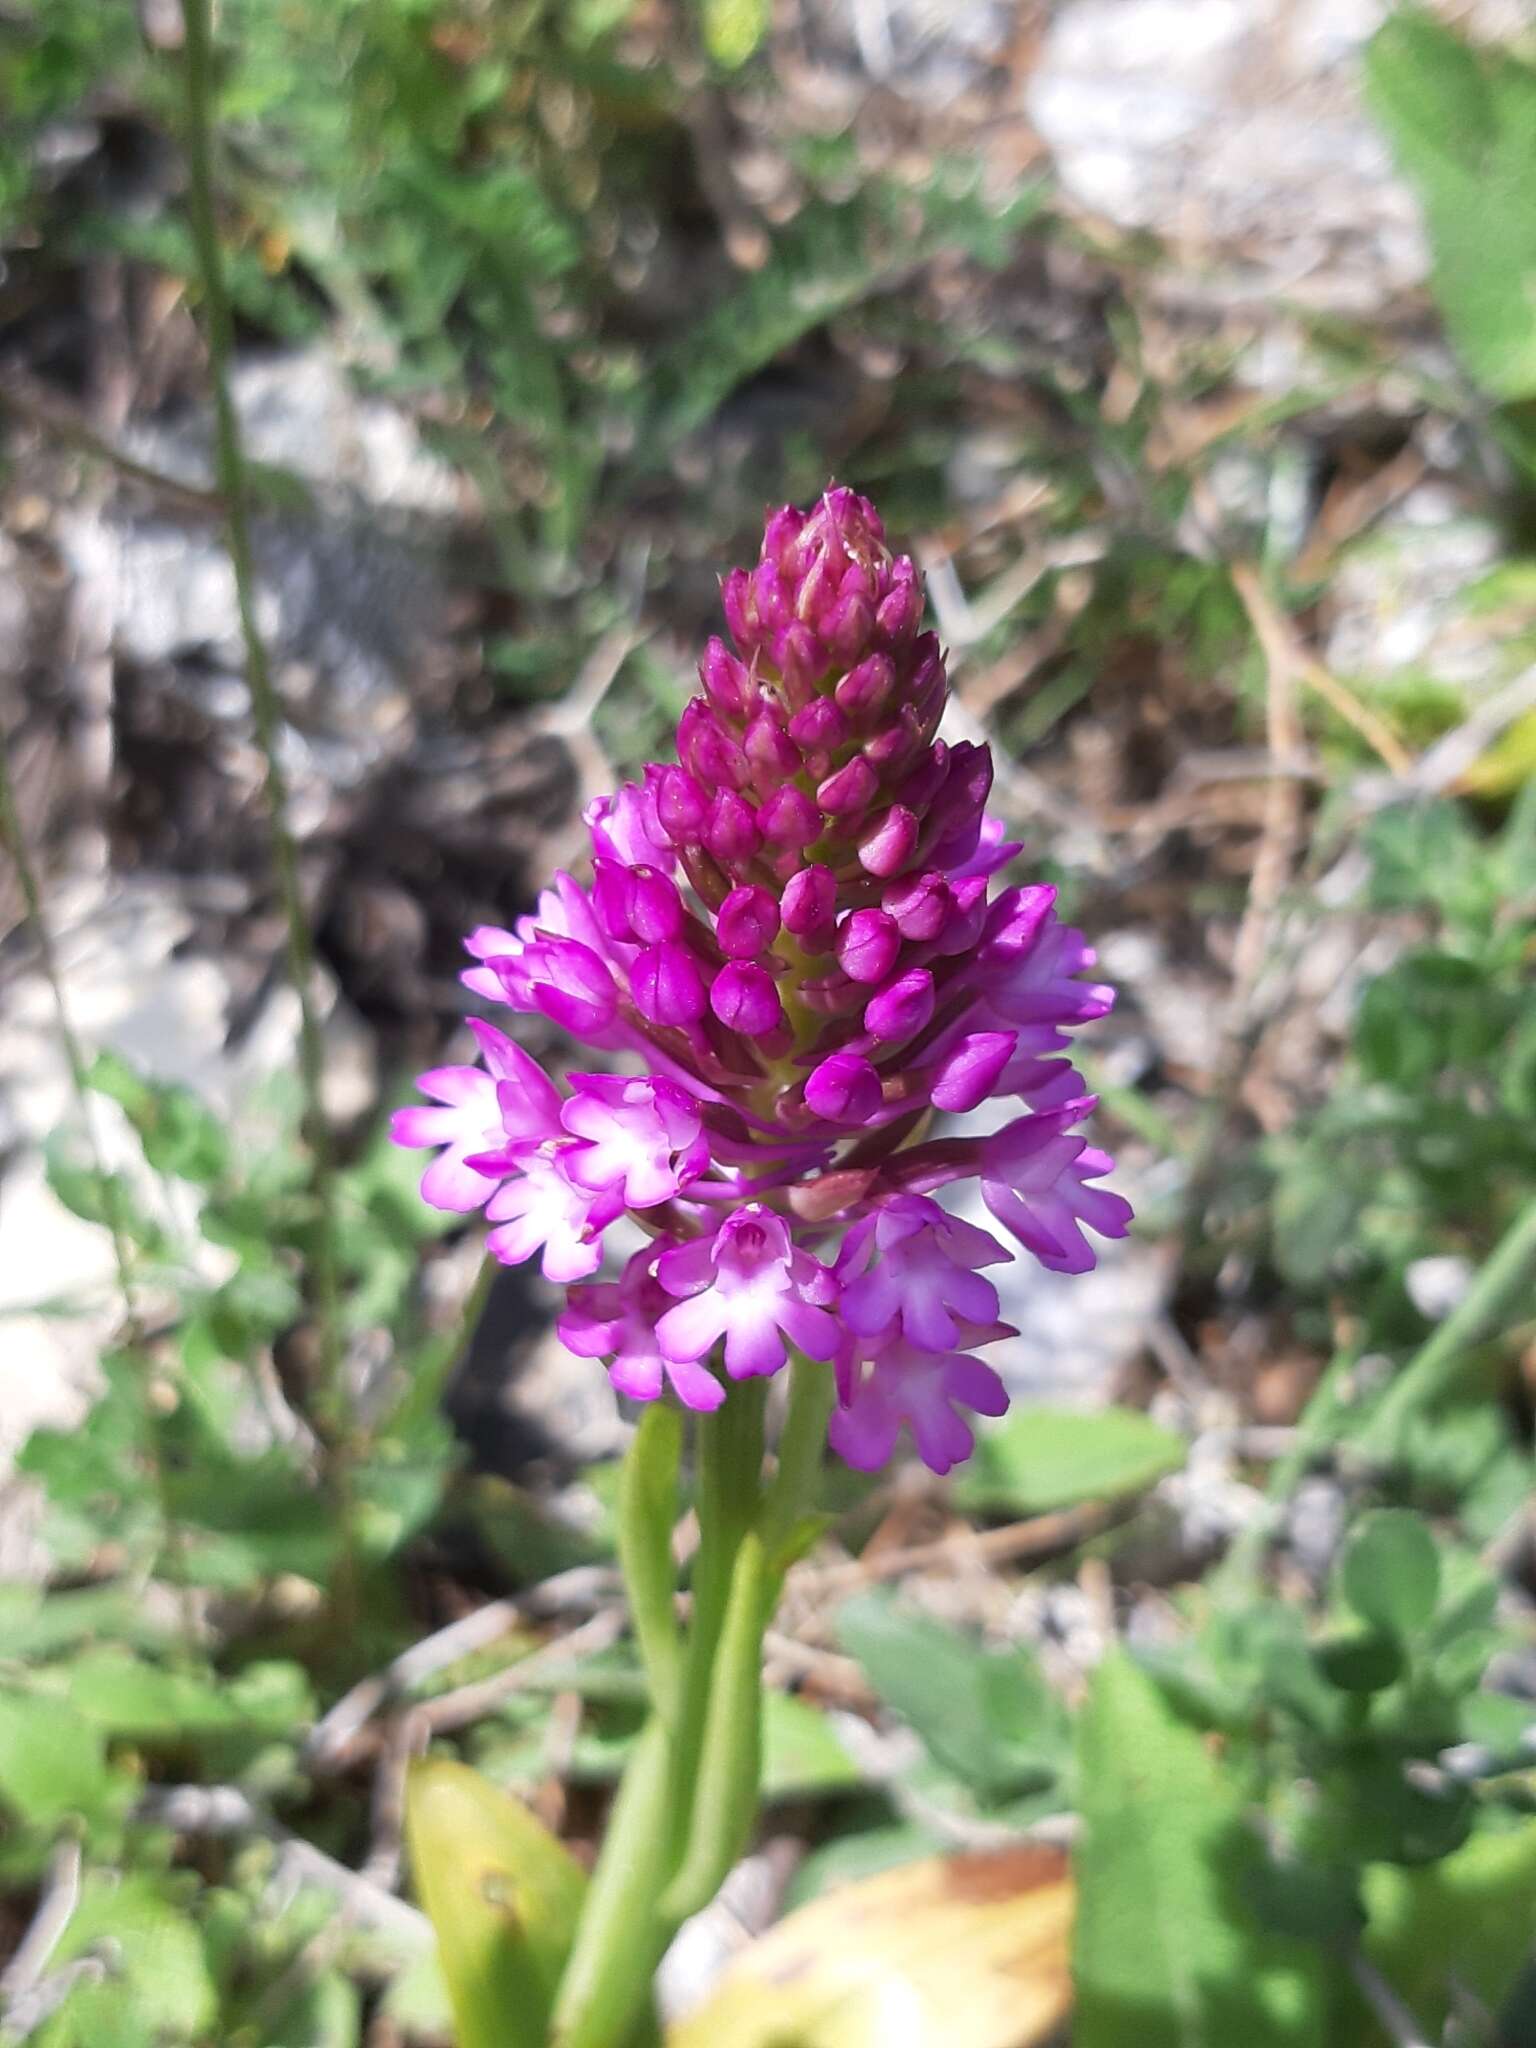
{"x":1233,"y":553}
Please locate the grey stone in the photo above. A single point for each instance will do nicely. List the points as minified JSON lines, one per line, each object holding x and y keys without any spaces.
{"x":1236,"y":130}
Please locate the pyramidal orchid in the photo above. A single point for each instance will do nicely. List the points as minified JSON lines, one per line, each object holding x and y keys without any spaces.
{"x":790,"y":956}
{"x":793,"y":944}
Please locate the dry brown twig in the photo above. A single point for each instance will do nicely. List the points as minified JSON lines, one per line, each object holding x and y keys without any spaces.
{"x":468,"y":1703}
{"x":1280,"y":833}
{"x":1284,"y":653}
{"x":57,"y":1900}
{"x":332,"y":1741}
{"x":220,"y":1810}
{"x":1036,"y":1537}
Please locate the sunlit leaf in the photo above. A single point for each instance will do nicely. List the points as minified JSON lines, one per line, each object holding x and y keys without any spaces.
{"x":502,"y":1894}
{"x":803,"y":1756}
{"x":986,"y":1715}
{"x":52,"y":1761}
{"x":1462,"y":123}
{"x":1044,"y":1458}
{"x":1168,"y":1953}
{"x":158,"y":1989}
{"x":1467,"y":1922}
{"x":733,"y":29}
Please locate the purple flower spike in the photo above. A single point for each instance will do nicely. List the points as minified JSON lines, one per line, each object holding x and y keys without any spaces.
{"x":793,"y":938}
{"x":750,"y":1285}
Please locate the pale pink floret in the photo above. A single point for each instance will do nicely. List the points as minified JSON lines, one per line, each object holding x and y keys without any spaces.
{"x":483,"y":1110}
{"x":616,"y":1321}
{"x":912,"y":1266}
{"x":899,"y":1383}
{"x":641,"y":1137}
{"x":539,"y":1208}
{"x":1032,"y":1179}
{"x":752,"y":1286}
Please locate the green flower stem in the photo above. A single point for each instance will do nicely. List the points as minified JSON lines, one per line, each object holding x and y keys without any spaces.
{"x":647,"y":1515}
{"x":1503,"y":1292}
{"x":730,"y":1759}
{"x":331,"y":1412}
{"x":690,"y":1794}
{"x":1503,"y":1287}
{"x":623,"y":1932}
{"x":606,"y":1982}
{"x":801,"y":1443}
{"x":729,"y":1484}
{"x":729,"y":1767}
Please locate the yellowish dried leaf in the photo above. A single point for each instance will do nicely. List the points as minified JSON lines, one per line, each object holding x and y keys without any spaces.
{"x":951,"y":1952}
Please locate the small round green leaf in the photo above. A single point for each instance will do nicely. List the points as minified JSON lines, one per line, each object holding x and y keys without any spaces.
{"x":1389,"y":1572}
{"x":1359,"y":1662}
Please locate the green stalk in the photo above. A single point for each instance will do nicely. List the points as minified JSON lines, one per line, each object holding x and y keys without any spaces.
{"x":623,"y":1933}
{"x":1503,"y":1291}
{"x":728,"y":1770}
{"x":705,"y":1789}
{"x":647,"y":1515}
{"x":730,"y":1758}
{"x":607,"y":1977}
{"x":230,"y":473}
{"x":728,"y":1486}
{"x":1503,"y":1285}
{"x":1237,"y":1576}
{"x":111,"y":1195}
{"x":802,"y":1441}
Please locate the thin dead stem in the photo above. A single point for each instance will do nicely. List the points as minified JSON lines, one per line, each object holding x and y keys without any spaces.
{"x":229,"y":467}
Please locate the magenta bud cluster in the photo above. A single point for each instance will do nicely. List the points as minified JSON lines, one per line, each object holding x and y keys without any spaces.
{"x":792,"y":952}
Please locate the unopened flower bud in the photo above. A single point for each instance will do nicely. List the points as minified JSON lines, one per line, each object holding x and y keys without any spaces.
{"x":853,"y":788}
{"x":867,"y":945}
{"x":845,"y":1089}
{"x":747,"y":923}
{"x":667,"y":986}
{"x":810,"y":902}
{"x":903,"y":1008}
{"x":889,"y":846}
{"x":744,"y":998}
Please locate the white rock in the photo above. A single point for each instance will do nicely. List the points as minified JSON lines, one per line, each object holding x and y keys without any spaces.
{"x":127,"y":989}
{"x":1236,"y":129}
